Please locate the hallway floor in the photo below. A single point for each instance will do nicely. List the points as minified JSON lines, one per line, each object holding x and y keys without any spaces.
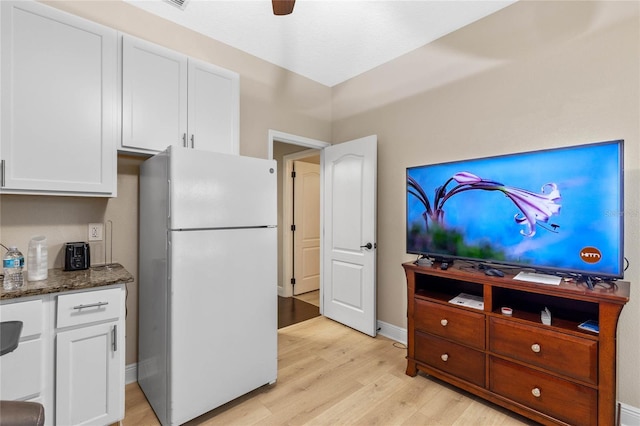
{"x":312,"y":297}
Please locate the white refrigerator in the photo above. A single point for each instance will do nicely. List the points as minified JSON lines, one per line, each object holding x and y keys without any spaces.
{"x":207,"y":302}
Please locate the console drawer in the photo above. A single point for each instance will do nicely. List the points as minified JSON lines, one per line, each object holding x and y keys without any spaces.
{"x":458,"y":360}
{"x":562,"y":399}
{"x":567,"y":355}
{"x":88,"y":306}
{"x":450,"y":322}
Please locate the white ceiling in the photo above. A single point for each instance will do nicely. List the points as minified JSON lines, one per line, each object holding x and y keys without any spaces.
{"x":328,"y":41}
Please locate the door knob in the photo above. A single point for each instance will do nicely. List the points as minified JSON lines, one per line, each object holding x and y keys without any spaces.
{"x":368,"y":246}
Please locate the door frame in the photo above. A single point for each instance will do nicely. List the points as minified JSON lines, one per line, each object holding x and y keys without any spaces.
{"x":312,"y":144}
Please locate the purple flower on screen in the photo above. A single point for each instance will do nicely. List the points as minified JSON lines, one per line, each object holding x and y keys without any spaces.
{"x":534,"y":208}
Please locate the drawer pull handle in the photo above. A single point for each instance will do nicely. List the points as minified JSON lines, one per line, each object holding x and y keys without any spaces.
{"x":90,"y":305}
{"x":444,"y":357}
{"x":444,"y":322}
{"x":536,"y":392}
{"x":535,"y":347}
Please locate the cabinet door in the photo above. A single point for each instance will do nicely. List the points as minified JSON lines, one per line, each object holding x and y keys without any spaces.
{"x":21,"y":371}
{"x":58,"y":102}
{"x":154,"y":96}
{"x":213,"y":118}
{"x":90,"y":375}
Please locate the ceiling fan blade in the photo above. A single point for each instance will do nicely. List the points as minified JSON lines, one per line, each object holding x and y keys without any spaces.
{"x":282,"y":7}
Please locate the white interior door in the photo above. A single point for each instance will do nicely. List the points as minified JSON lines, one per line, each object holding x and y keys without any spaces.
{"x":349,"y":245}
{"x":306,"y":217}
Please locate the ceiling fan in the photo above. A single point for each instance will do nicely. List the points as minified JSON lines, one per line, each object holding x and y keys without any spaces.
{"x":282,"y":7}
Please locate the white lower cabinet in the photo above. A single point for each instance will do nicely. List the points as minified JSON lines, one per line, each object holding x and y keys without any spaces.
{"x":70,"y":357}
{"x":23,"y":372}
{"x":88,"y":369}
{"x":90,"y":357}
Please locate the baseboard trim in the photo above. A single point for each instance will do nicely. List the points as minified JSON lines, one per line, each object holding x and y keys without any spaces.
{"x":629,"y":415}
{"x":131,"y":373}
{"x":393,"y":332}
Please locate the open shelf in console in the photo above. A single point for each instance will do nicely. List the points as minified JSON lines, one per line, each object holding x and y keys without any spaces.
{"x":444,"y":289}
{"x":566,"y":313}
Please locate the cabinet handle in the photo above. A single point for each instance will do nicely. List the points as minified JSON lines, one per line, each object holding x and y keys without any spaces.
{"x":444,"y":357}
{"x":536,"y":392}
{"x":444,"y":322}
{"x":535,"y":347}
{"x":184,"y":140}
{"x":2,"y":175}
{"x":114,"y":336}
{"x":193,"y":141}
{"x":91,"y":305}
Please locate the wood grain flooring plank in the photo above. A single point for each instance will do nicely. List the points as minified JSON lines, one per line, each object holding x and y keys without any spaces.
{"x":329,"y":374}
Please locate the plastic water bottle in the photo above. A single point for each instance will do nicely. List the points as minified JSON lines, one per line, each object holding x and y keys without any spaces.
{"x":12,"y":263}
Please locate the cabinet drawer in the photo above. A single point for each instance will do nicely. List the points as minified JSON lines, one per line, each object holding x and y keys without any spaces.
{"x":88,"y":306}
{"x":449,"y":322}
{"x":21,"y":371}
{"x":458,"y":360}
{"x":567,"y":355}
{"x":30,"y":313}
{"x":562,"y":399}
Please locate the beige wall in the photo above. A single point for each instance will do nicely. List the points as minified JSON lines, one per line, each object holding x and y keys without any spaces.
{"x":270,"y":98}
{"x":535,"y":75}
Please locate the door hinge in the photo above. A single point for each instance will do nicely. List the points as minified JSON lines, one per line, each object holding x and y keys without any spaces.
{"x":293,"y":281}
{"x":293,"y":227}
{"x":293,"y":174}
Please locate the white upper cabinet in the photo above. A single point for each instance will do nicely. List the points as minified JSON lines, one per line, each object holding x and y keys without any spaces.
{"x":170,"y":99}
{"x":214,"y":108}
{"x":59,"y":102}
{"x":154,"y":96}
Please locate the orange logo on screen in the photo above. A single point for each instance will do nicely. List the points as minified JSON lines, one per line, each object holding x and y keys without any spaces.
{"x":590,"y":255}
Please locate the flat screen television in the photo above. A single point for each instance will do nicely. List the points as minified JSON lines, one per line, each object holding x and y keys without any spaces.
{"x":553,"y":211}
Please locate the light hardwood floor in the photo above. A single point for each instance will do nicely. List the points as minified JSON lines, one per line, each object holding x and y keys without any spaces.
{"x":329,"y":374}
{"x":312,"y":297}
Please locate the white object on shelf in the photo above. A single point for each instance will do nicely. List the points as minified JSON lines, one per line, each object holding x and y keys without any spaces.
{"x":534,"y":277}
{"x":506,"y":311}
{"x":468,"y":300}
{"x":545,"y":316}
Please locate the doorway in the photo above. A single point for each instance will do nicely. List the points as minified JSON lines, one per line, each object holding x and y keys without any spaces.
{"x":302,"y":156}
{"x":288,"y":149}
{"x":348,"y":221}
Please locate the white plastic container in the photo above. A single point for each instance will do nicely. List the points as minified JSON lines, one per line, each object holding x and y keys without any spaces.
{"x":37,"y":259}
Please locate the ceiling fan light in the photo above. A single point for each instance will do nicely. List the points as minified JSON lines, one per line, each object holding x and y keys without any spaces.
{"x":282,"y":7}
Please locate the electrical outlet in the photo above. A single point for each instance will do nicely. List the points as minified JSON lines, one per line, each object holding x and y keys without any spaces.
{"x":95,"y":231}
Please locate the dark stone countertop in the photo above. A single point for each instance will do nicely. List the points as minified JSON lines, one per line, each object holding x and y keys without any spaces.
{"x":59,"y":281}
